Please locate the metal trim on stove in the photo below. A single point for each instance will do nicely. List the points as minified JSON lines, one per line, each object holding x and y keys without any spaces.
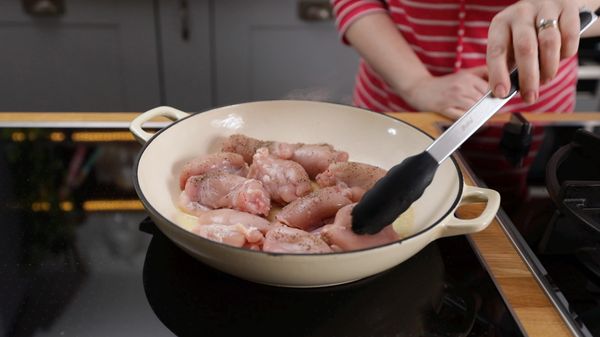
{"x":533,"y":263}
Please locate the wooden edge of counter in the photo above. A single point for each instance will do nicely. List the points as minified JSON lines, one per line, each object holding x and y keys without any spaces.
{"x":533,"y":308}
{"x":67,"y":116}
{"x":427,"y":121}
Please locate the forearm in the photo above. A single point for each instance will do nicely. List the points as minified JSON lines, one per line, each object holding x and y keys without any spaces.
{"x":378,"y":41}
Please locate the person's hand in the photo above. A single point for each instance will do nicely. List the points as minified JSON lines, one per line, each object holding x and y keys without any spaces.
{"x":450,"y":95}
{"x":515,"y":39}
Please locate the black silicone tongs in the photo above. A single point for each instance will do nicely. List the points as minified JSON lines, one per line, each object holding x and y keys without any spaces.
{"x":405,"y":183}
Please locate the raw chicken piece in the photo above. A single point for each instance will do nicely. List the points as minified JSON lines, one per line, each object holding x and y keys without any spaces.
{"x":236,"y":235}
{"x":353,"y":174}
{"x":315,"y":158}
{"x":285,"y":180}
{"x":231,"y":217}
{"x":190,"y":206}
{"x":340,"y":234}
{"x":252,"y":246}
{"x":232,"y":227}
{"x":224,"y":190}
{"x":224,"y":161}
{"x":247,"y":147}
{"x":282,"y":239}
{"x":242,"y":145}
{"x":358,"y":176}
{"x":313,"y":210}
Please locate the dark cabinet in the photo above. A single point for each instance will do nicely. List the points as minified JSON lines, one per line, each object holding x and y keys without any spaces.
{"x":265,"y":51}
{"x":184,"y":36}
{"x":97,"y":56}
{"x":132,"y":55}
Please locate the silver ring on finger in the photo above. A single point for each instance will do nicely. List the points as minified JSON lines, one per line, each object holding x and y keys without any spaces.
{"x":547,"y":23}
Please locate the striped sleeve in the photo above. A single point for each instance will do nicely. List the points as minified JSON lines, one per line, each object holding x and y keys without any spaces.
{"x":348,"y":11}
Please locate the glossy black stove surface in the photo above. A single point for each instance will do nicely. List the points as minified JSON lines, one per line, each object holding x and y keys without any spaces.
{"x":79,"y":258}
{"x":439,"y":292}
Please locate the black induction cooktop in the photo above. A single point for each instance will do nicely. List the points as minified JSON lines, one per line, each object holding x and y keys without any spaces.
{"x":80,"y":258}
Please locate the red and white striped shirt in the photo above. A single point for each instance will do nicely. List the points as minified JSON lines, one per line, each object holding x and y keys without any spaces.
{"x":446,"y":35}
{"x":449,"y":35}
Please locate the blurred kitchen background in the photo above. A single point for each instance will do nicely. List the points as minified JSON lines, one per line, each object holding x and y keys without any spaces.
{"x":132,"y":55}
{"x":70,"y":214}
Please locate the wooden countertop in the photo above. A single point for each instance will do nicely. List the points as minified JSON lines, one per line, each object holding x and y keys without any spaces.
{"x":532,"y":307}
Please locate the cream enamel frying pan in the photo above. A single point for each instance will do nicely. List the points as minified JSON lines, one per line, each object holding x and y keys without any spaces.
{"x":367,"y":136}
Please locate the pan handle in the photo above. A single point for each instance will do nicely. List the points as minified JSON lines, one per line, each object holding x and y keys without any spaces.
{"x":456,"y":226}
{"x":136,"y":126}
